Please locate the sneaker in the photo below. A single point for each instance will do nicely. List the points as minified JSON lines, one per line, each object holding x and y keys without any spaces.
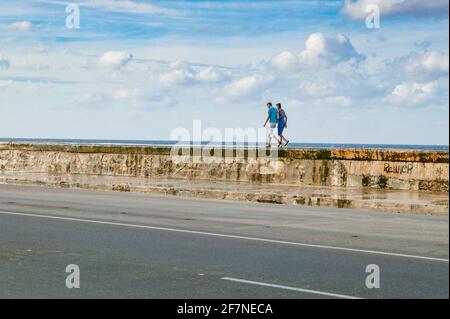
{"x":286,"y":143}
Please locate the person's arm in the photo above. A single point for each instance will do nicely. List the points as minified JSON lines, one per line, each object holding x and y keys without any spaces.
{"x":267,"y":120}
{"x":285,"y":123}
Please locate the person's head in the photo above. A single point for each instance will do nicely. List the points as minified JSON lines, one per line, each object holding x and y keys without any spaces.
{"x":279,"y":106}
{"x":269,"y":105}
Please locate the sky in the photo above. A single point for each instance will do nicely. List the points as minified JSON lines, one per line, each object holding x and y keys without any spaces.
{"x":140,"y":69}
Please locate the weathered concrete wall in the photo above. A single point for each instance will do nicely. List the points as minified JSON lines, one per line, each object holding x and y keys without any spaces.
{"x":390,"y":169}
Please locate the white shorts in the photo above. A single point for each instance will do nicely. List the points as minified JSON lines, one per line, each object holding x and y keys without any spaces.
{"x":272,"y":126}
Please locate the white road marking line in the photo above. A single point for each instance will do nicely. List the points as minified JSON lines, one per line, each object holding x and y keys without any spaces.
{"x":316,"y":292}
{"x":274,"y":241}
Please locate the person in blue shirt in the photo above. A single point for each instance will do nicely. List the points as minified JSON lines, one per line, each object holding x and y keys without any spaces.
{"x":272,"y":118}
{"x":282,"y":124}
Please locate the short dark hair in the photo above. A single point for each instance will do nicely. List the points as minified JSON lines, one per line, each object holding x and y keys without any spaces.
{"x":269,"y":104}
{"x":278,"y":104}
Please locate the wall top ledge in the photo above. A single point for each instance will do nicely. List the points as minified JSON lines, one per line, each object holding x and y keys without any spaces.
{"x":291,"y":153}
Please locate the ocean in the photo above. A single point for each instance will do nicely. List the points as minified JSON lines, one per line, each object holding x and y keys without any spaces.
{"x":444,"y":148}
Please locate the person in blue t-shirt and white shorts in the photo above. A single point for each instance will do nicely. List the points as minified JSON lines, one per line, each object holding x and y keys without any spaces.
{"x":272,"y":118}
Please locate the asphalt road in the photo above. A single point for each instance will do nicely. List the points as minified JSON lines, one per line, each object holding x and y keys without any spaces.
{"x":143,"y":246}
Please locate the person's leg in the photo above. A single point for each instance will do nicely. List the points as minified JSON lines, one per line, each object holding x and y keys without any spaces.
{"x":280,"y":138}
{"x":287,"y":141}
{"x":280,"y":135}
{"x":269,"y":136}
{"x":273,"y":134}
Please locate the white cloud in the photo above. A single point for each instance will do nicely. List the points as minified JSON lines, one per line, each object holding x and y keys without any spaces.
{"x":5,"y":84}
{"x":30,"y":65}
{"x":320,"y":105}
{"x":40,"y":49}
{"x":209,"y":74}
{"x":182,"y":73}
{"x":357,"y":9}
{"x":128,"y":6}
{"x":320,"y":51}
{"x":20,"y":26}
{"x":430,"y":64}
{"x":4,"y":64}
{"x":160,"y":100}
{"x":318,"y":88}
{"x":179,"y":65}
{"x":89,"y":98}
{"x":324,"y":51}
{"x":115,"y":59}
{"x":124,"y":94}
{"x":294,"y":103}
{"x":248,"y":87}
{"x":414,"y":93}
{"x":350,"y":82}
{"x":349,"y":118}
{"x":339,"y":100}
{"x":286,"y":61}
{"x":174,"y":77}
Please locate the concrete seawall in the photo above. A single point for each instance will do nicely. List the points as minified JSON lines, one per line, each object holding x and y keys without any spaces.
{"x":122,"y":167}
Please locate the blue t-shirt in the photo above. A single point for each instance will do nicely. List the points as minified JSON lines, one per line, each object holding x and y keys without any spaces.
{"x":273,"y":115}
{"x":282,"y":118}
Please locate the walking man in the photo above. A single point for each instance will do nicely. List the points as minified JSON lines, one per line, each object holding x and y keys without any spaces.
{"x":282,"y":124}
{"x":272,"y":118}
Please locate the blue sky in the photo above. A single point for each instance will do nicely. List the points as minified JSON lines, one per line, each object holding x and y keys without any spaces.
{"x":139,"y":69}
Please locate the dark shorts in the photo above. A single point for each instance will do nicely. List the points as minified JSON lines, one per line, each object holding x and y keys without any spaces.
{"x":281,"y":128}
